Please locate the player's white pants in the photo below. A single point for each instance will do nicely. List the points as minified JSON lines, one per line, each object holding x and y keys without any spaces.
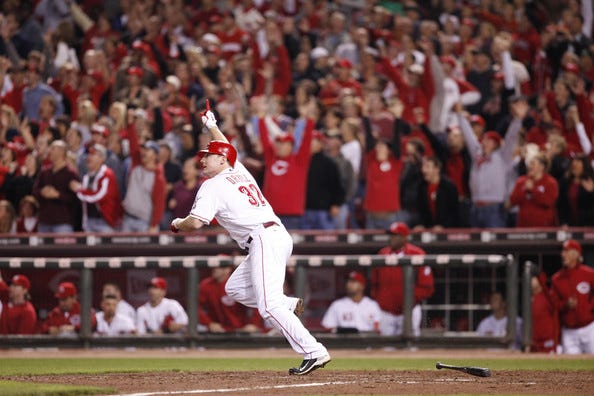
{"x":392,"y":325}
{"x":258,"y":283}
{"x":576,"y":341}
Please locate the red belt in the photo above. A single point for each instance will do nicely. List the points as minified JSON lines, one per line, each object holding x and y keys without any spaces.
{"x":482,"y":204}
{"x":265,"y":225}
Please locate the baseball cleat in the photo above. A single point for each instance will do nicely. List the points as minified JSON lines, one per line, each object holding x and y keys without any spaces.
{"x":309,"y":365}
{"x":299,"y":308}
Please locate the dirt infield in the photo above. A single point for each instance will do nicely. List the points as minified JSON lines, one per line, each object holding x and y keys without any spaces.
{"x":321,"y":382}
{"x":330,"y":382}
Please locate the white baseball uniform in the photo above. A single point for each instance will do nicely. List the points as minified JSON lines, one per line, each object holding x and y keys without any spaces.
{"x":150,"y":319}
{"x":119,"y":325}
{"x":235,"y":200}
{"x":126,"y":309}
{"x":344,"y":312}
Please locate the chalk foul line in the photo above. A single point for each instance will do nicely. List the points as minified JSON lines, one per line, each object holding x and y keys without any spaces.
{"x":242,"y":389}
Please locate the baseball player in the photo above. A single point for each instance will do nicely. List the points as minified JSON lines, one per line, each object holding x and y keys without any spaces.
{"x":65,"y":318}
{"x":355,"y":312}
{"x":18,"y":316}
{"x":545,"y":323}
{"x":110,"y":322}
{"x":387,"y":284}
{"x":160,"y":314}
{"x":218,"y":312}
{"x":123,"y":306}
{"x":232,"y":196}
{"x":572,"y":291}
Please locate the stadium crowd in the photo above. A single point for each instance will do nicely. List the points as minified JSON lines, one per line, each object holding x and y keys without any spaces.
{"x":351,"y":114}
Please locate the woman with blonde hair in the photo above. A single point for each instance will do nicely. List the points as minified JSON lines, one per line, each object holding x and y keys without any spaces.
{"x":7,"y":217}
{"x":87,"y":114}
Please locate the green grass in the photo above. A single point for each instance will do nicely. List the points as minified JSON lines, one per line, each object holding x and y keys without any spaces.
{"x":53,"y":366}
{"x":44,"y":366}
{"x":13,"y":388}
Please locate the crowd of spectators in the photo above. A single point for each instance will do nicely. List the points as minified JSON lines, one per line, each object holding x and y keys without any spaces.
{"x":351,"y":114}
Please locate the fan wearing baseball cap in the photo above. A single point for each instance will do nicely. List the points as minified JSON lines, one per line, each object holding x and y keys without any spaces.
{"x":572,"y":291}
{"x":354,"y":313}
{"x":160,"y":314}
{"x":17,"y":314}
{"x":64,"y":319}
{"x":387,"y":283}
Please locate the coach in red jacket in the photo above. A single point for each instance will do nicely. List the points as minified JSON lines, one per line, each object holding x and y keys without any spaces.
{"x":18,"y":316}
{"x":536,"y":195}
{"x":99,"y":193}
{"x":387,"y":283}
{"x":572,"y":290}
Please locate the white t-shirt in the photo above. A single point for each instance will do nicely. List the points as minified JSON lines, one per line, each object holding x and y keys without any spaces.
{"x":234,"y":198}
{"x":493,"y":327}
{"x":344,"y":312}
{"x":353,"y":152}
{"x":120,"y":324}
{"x":150,"y":319}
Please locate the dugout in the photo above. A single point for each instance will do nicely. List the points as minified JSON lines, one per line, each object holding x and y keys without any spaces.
{"x":468,"y":265}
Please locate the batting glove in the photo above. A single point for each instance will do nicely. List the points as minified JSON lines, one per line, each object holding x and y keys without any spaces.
{"x":209,"y":120}
{"x":174,"y":226}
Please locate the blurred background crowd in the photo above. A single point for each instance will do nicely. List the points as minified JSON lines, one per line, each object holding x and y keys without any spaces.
{"x":350,"y":113}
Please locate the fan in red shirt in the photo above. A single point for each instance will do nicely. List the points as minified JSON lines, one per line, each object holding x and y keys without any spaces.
{"x":572,"y":291}
{"x":65,"y":318}
{"x":218,"y":312}
{"x":18,"y":316}
{"x":416,"y":87}
{"x":387,"y":283}
{"x":331,"y":91}
{"x":536,"y":195}
{"x":233,"y":39}
{"x":545,"y":323}
{"x":271,"y":61}
{"x":285,"y":174}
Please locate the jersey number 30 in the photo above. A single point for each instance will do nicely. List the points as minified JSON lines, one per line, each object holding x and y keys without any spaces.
{"x":254,"y":195}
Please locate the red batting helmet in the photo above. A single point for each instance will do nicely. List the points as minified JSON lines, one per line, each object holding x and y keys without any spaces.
{"x":221,"y":148}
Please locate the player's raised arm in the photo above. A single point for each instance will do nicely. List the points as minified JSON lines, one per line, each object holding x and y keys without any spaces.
{"x":210,"y":122}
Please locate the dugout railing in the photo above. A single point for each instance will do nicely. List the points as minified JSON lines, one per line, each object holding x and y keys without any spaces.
{"x":302,"y":264}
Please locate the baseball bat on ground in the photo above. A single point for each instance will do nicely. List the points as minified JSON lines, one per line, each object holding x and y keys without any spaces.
{"x":477,"y":371}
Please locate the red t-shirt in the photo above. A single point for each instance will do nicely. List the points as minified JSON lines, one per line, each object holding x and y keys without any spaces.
{"x":285,"y":178}
{"x":454,"y":169}
{"x":383,"y":184}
